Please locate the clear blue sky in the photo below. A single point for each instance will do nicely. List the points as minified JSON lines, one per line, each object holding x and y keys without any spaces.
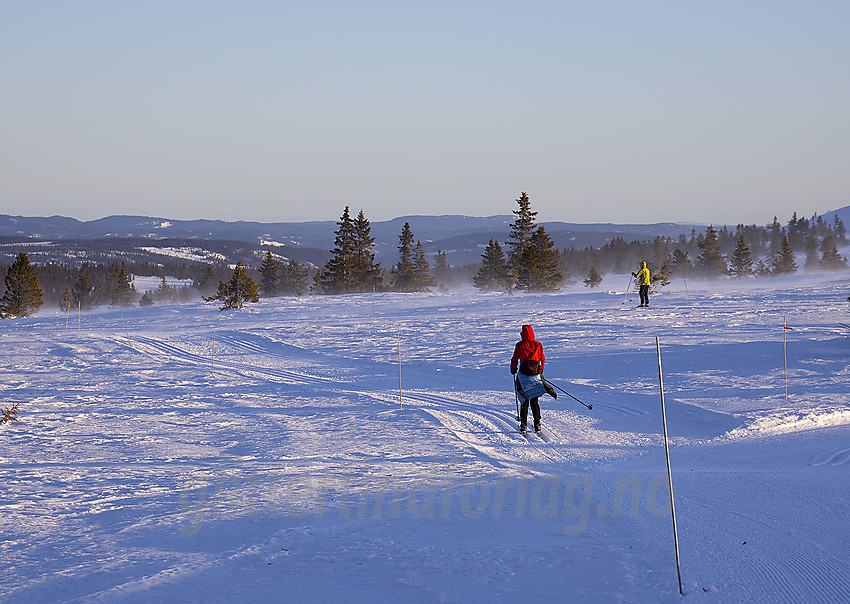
{"x":604,"y":111}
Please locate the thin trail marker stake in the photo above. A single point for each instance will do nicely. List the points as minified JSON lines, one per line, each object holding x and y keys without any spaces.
{"x":687,"y":292}
{"x":212,"y":355}
{"x":373,"y":302}
{"x":67,"y":316}
{"x":128,"y":336}
{"x":785,"y":330}
{"x":80,"y":317}
{"x":400,"y":405}
{"x":669,"y":472}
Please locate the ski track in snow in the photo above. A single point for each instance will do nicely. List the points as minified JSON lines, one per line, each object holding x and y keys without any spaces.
{"x":122,"y":435}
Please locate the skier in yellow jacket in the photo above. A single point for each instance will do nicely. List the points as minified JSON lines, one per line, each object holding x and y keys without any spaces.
{"x":642,"y":278}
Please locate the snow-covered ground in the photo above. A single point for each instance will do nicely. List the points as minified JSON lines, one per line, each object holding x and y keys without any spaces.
{"x":267,"y":454}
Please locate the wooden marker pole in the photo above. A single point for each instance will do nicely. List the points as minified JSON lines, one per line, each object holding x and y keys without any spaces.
{"x":80,"y":318}
{"x":133,"y":348}
{"x":212,"y":355}
{"x":785,"y":329}
{"x":687,"y":292}
{"x":669,"y":472}
{"x":400,"y":405}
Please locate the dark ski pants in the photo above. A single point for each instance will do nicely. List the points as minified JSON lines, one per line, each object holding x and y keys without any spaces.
{"x":644,"y":295}
{"x":535,"y":411}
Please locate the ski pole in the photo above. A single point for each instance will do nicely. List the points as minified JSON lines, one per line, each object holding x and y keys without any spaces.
{"x":516,"y":398}
{"x":627,"y":290}
{"x":569,"y":395}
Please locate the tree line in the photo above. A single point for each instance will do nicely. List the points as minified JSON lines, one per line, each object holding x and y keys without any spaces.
{"x":742,"y":252}
{"x":530,"y":263}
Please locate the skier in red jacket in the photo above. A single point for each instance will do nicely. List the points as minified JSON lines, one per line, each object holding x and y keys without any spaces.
{"x":528,"y":355}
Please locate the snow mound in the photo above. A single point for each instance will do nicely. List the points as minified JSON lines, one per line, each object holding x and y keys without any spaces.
{"x":786,"y":423}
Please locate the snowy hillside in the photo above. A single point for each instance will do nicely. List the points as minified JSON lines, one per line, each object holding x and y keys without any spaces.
{"x":180,"y":454}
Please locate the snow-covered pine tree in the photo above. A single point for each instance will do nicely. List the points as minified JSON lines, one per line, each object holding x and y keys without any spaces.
{"x":741,"y":261}
{"x":23,"y":296}
{"x":493,"y":272}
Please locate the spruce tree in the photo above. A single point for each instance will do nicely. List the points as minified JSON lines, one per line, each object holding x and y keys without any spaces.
{"x":205,"y":283}
{"x":838,"y":229}
{"x":270,"y":271}
{"x":294,"y":278}
{"x":681,"y":264}
{"x":238,"y":290}
{"x":661,"y":277}
{"x":83,"y":292}
{"x":404,"y":272}
{"x":776,"y":236}
{"x":710,"y":262}
{"x":367,"y":272}
{"x":540,"y":264}
{"x":67,"y":302}
{"x":783,"y":260}
{"x":441,"y":270}
{"x":741,"y":262}
{"x":831,"y":259}
{"x":23,"y":296}
{"x":521,"y":231}
{"x":593,"y":277}
{"x":810,"y":247}
{"x":340,"y":272}
{"x":164,"y":293}
{"x":421,"y":269}
{"x":493,"y":272}
{"x":761,"y":269}
{"x":119,"y":289}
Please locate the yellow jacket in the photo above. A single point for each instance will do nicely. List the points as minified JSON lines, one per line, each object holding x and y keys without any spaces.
{"x":642,"y":277}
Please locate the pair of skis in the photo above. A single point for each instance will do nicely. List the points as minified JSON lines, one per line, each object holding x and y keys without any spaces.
{"x":549,"y":385}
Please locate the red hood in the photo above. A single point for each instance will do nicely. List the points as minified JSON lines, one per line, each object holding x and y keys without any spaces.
{"x":527,"y":333}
